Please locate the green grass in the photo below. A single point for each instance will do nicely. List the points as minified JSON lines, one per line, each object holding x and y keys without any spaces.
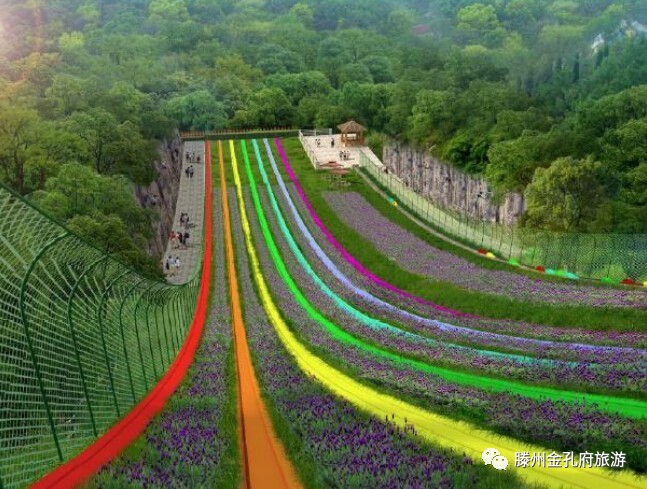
{"x":297,"y":451}
{"x":444,"y":293}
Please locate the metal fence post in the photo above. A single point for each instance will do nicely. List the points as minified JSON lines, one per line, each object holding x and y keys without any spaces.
{"x":609,"y":257}
{"x":561,"y":253}
{"x":482,"y":232}
{"x":577,"y":252}
{"x":176,"y":312}
{"x":590,"y":272}
{"x":159,"y":336}
{"x":103,"y":339}
{"x":30,"y":343}
{"x":150,"y":343}
{"x":150,"y":337}
{"x":170,"y":347}
{"x":77,"y":352}
{"x":159,"y":319}
{"x":123,"y":337}
{"x":634,"y":273}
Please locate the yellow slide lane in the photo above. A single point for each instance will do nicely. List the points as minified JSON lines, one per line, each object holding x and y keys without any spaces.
{"x":440,"y":430}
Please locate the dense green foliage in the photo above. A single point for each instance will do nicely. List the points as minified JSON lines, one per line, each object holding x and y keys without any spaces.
{"x":497,"y":87}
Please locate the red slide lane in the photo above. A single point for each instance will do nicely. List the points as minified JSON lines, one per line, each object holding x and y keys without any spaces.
{"x":115,"y":440}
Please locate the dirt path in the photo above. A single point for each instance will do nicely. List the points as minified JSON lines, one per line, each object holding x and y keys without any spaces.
{"x":264,"y":461}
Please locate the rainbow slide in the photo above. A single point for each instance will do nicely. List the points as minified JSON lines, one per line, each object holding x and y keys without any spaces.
{"x":437,"y":429}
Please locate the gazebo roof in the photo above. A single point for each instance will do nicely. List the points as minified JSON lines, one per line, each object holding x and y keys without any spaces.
{"x":351,"y":127}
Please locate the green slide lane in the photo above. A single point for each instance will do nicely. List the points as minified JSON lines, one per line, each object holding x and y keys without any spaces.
{"x":623,"y":406}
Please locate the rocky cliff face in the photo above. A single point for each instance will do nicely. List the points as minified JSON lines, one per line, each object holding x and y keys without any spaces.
{"x":161,"y":195}
{"x":448,"y":186}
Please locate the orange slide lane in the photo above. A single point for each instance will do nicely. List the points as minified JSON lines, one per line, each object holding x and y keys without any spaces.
{"x":264,"y":460}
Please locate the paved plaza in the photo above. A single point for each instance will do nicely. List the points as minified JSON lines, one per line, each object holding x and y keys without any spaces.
{"x":322,"y":152}
{"x":326,"y":156}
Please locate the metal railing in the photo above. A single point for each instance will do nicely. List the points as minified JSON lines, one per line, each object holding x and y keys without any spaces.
{"x":83,"y":338}
{"x":239,"y":133}
{"x":607,"y":257}
{"x":306,"y":147}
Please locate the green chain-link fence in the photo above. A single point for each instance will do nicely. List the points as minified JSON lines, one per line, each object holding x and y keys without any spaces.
{"x":83,"y":338}
{"x":609,"y":257}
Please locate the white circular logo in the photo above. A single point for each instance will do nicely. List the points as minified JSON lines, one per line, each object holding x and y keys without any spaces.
{"x":499,"y":462}
{"x":491,"y":456}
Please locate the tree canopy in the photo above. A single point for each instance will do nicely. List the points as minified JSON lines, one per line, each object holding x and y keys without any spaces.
{"x":511,"y":89}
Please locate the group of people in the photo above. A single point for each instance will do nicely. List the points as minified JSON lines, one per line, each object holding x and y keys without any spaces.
{"x":172,"y":265}
{"x":192,"y":157}
{"x":344,"y":155}
{"x":189,"y":171}
{"x":179,"y":239}
{"x":318,"y":142}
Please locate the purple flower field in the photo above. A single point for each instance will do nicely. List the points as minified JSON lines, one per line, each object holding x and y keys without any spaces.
{"x":416,"y":256}
{"x":502,"y":326}
{"x":622,"y":375}
{"x":344,"y":447}
{"x":472,"y":336}
{"x":557,"y":425}
{"x":184,"y":446}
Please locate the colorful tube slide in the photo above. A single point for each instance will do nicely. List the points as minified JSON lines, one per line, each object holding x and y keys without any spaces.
{"x":625,"y":406}
{"x":439,"y":325}
{"x":437,"y":429}
{"x":264,"y":459}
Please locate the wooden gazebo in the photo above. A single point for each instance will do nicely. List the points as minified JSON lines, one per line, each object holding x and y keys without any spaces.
{"x":352,"y":133}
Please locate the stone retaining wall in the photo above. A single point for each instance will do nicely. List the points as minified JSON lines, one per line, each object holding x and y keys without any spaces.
{"x":448,"y":186}
{"x":161,"y":195}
